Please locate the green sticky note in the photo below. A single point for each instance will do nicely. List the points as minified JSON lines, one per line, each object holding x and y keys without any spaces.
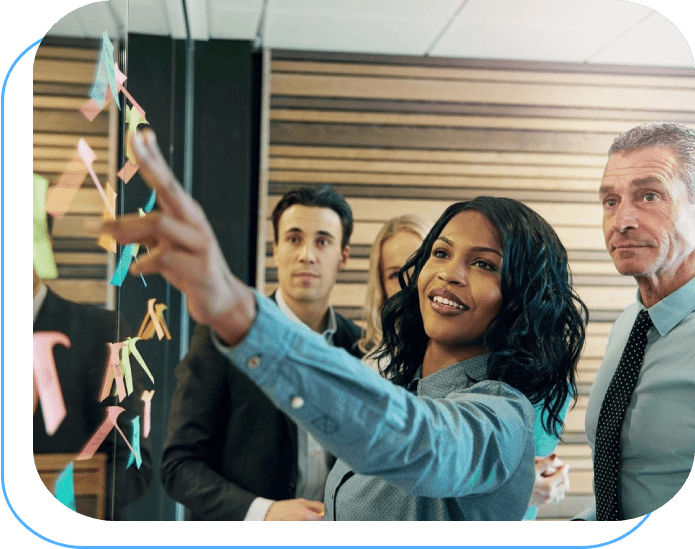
{"x":44,"y":262}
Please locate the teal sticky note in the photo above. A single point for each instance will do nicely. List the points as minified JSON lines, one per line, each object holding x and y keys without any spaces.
{"x":107,"y":61}
{"x":65,"y":487}
{"x":150,"y":203}
{"x":135,"y":443}
{"x":123,"y":265}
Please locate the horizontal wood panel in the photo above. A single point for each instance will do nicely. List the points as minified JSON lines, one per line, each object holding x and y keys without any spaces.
{"x":515,"y":182}
{"x":71,"y":54}
{"x":312,"y":134}
{"x":58,"y":121}
{"x":516,"y":93}
{"x":444,"y":73}
{"x":59,"y":70}
{"x":414,"y":155}
{"x":68,"y":140}
{"x":488,"y":170}
{"x":407,"y":119}
{"x":82,"y":291}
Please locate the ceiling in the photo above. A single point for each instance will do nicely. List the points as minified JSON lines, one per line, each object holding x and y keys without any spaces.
{"x":578,"y":31}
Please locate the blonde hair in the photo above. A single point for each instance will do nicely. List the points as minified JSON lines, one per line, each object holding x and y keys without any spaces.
{"x":375,"y":290}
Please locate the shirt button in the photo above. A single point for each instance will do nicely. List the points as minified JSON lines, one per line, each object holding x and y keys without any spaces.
{"x":253,"y":362}
{"x":297,"y":402}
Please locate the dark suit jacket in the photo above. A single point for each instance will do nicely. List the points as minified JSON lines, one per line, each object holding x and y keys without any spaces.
{"x":226,"y":442}
{"x":80,"y":371}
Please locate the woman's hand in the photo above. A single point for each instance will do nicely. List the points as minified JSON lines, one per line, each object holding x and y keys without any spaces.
{"x":183,"y":249}
{"x":552,"y":481}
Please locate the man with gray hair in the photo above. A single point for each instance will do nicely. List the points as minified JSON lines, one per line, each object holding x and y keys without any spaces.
{"x":640,"y":419}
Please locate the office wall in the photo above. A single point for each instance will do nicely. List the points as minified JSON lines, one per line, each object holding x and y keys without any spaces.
{"x":398,"y":135}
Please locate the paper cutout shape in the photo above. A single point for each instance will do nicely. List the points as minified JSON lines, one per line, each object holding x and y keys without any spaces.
{"x":151,"y":202}
{"x":64,"y":488}
{"x":64,"y":191}
{"x":147,"y":411}
{"x":127,"y":172}
{"x":120,"y":78}
{"x":46,"y":376}
{"x":91,"y":109}
{"x":135,"y":456}
{"x":88,"y":157}
{"x":105,"y":241}
{"x":154,"y":321}
{"x":105,"y":75}
{"x":109,"y":423}
{"x":44,"y":261}
{"x":130,"y":349}
{"x":124,"y":264}
{"x":113,"y":373}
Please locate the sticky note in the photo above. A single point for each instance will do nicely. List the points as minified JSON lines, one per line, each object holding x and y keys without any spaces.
{"x":147,"y":411}
{"x":154,"y":321}
{"x":44,"y":261}
{"x":104,"y":75}
{"x":135,"y":456}
{"x":88,"y":156}
{"x":121,"y":78}
{"x":127,"y":172}
{"x":121,"y":270}
{"x":46,"y":376}
{"x":105,"y":241}
{"x":64,"y":488}
{"x":109,"y":423}
{"x":113,"y":373}
{"x":65,"y":189}
{"x":130,"y":343}
{"x":150,"y":203}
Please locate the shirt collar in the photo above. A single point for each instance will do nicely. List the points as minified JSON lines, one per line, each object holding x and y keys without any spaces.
{"x":331,"y":326}
{"x":39,"y":298}
{"x":444,"y":381}
{"x":671,"y":310}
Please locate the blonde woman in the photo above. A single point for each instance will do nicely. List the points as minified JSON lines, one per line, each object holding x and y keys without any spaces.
{"x":398,"y":239}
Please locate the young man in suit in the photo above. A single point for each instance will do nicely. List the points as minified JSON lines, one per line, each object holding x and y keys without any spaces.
{"x":230,"y":454}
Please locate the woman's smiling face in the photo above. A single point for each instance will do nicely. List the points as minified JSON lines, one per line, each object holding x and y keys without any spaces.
{"x":460,"y":287}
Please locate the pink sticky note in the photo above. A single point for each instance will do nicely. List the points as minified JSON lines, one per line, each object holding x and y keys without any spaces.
{"x":88,"y":157}
{"x":91,"y":108}
{"x":113,"y":373}
{"x":128,"y":171}
{"x":147,"y":414}
{"x":112,"y":413}
{"x":46,"y":376}
{"x":59,"y":197}
{"x":120,"y":78}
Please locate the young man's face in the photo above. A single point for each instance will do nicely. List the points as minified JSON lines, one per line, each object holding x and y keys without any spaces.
{"x":308,"y":253}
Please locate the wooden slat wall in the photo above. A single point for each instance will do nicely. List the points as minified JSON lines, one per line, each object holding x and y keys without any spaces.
{"x":62,"y":79}
{"x":399,"y":135}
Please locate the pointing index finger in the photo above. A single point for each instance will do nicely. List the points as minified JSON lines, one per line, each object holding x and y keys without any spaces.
{"x":171,"y":197}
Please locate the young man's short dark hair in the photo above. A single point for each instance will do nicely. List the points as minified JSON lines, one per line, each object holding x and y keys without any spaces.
{"x":323,"y":196}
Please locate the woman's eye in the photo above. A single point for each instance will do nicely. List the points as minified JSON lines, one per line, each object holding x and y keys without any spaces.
{"x":439,"y":253}
{"x":393,"y":275}
{"x":484,"y":265}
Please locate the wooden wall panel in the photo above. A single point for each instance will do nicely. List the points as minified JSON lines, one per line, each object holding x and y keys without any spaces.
{"x":62,"y":79}
{"x":397,"y":135}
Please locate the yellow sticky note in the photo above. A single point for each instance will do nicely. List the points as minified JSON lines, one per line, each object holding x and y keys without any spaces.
{"x":44,"y":262}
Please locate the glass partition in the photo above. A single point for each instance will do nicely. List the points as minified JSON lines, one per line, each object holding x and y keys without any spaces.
{"x":104,"y":336}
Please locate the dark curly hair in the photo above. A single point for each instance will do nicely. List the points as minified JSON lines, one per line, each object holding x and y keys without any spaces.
{"x":537,"y":337}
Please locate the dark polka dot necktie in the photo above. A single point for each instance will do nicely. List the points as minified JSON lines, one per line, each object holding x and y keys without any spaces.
{"x":610,"y":421}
